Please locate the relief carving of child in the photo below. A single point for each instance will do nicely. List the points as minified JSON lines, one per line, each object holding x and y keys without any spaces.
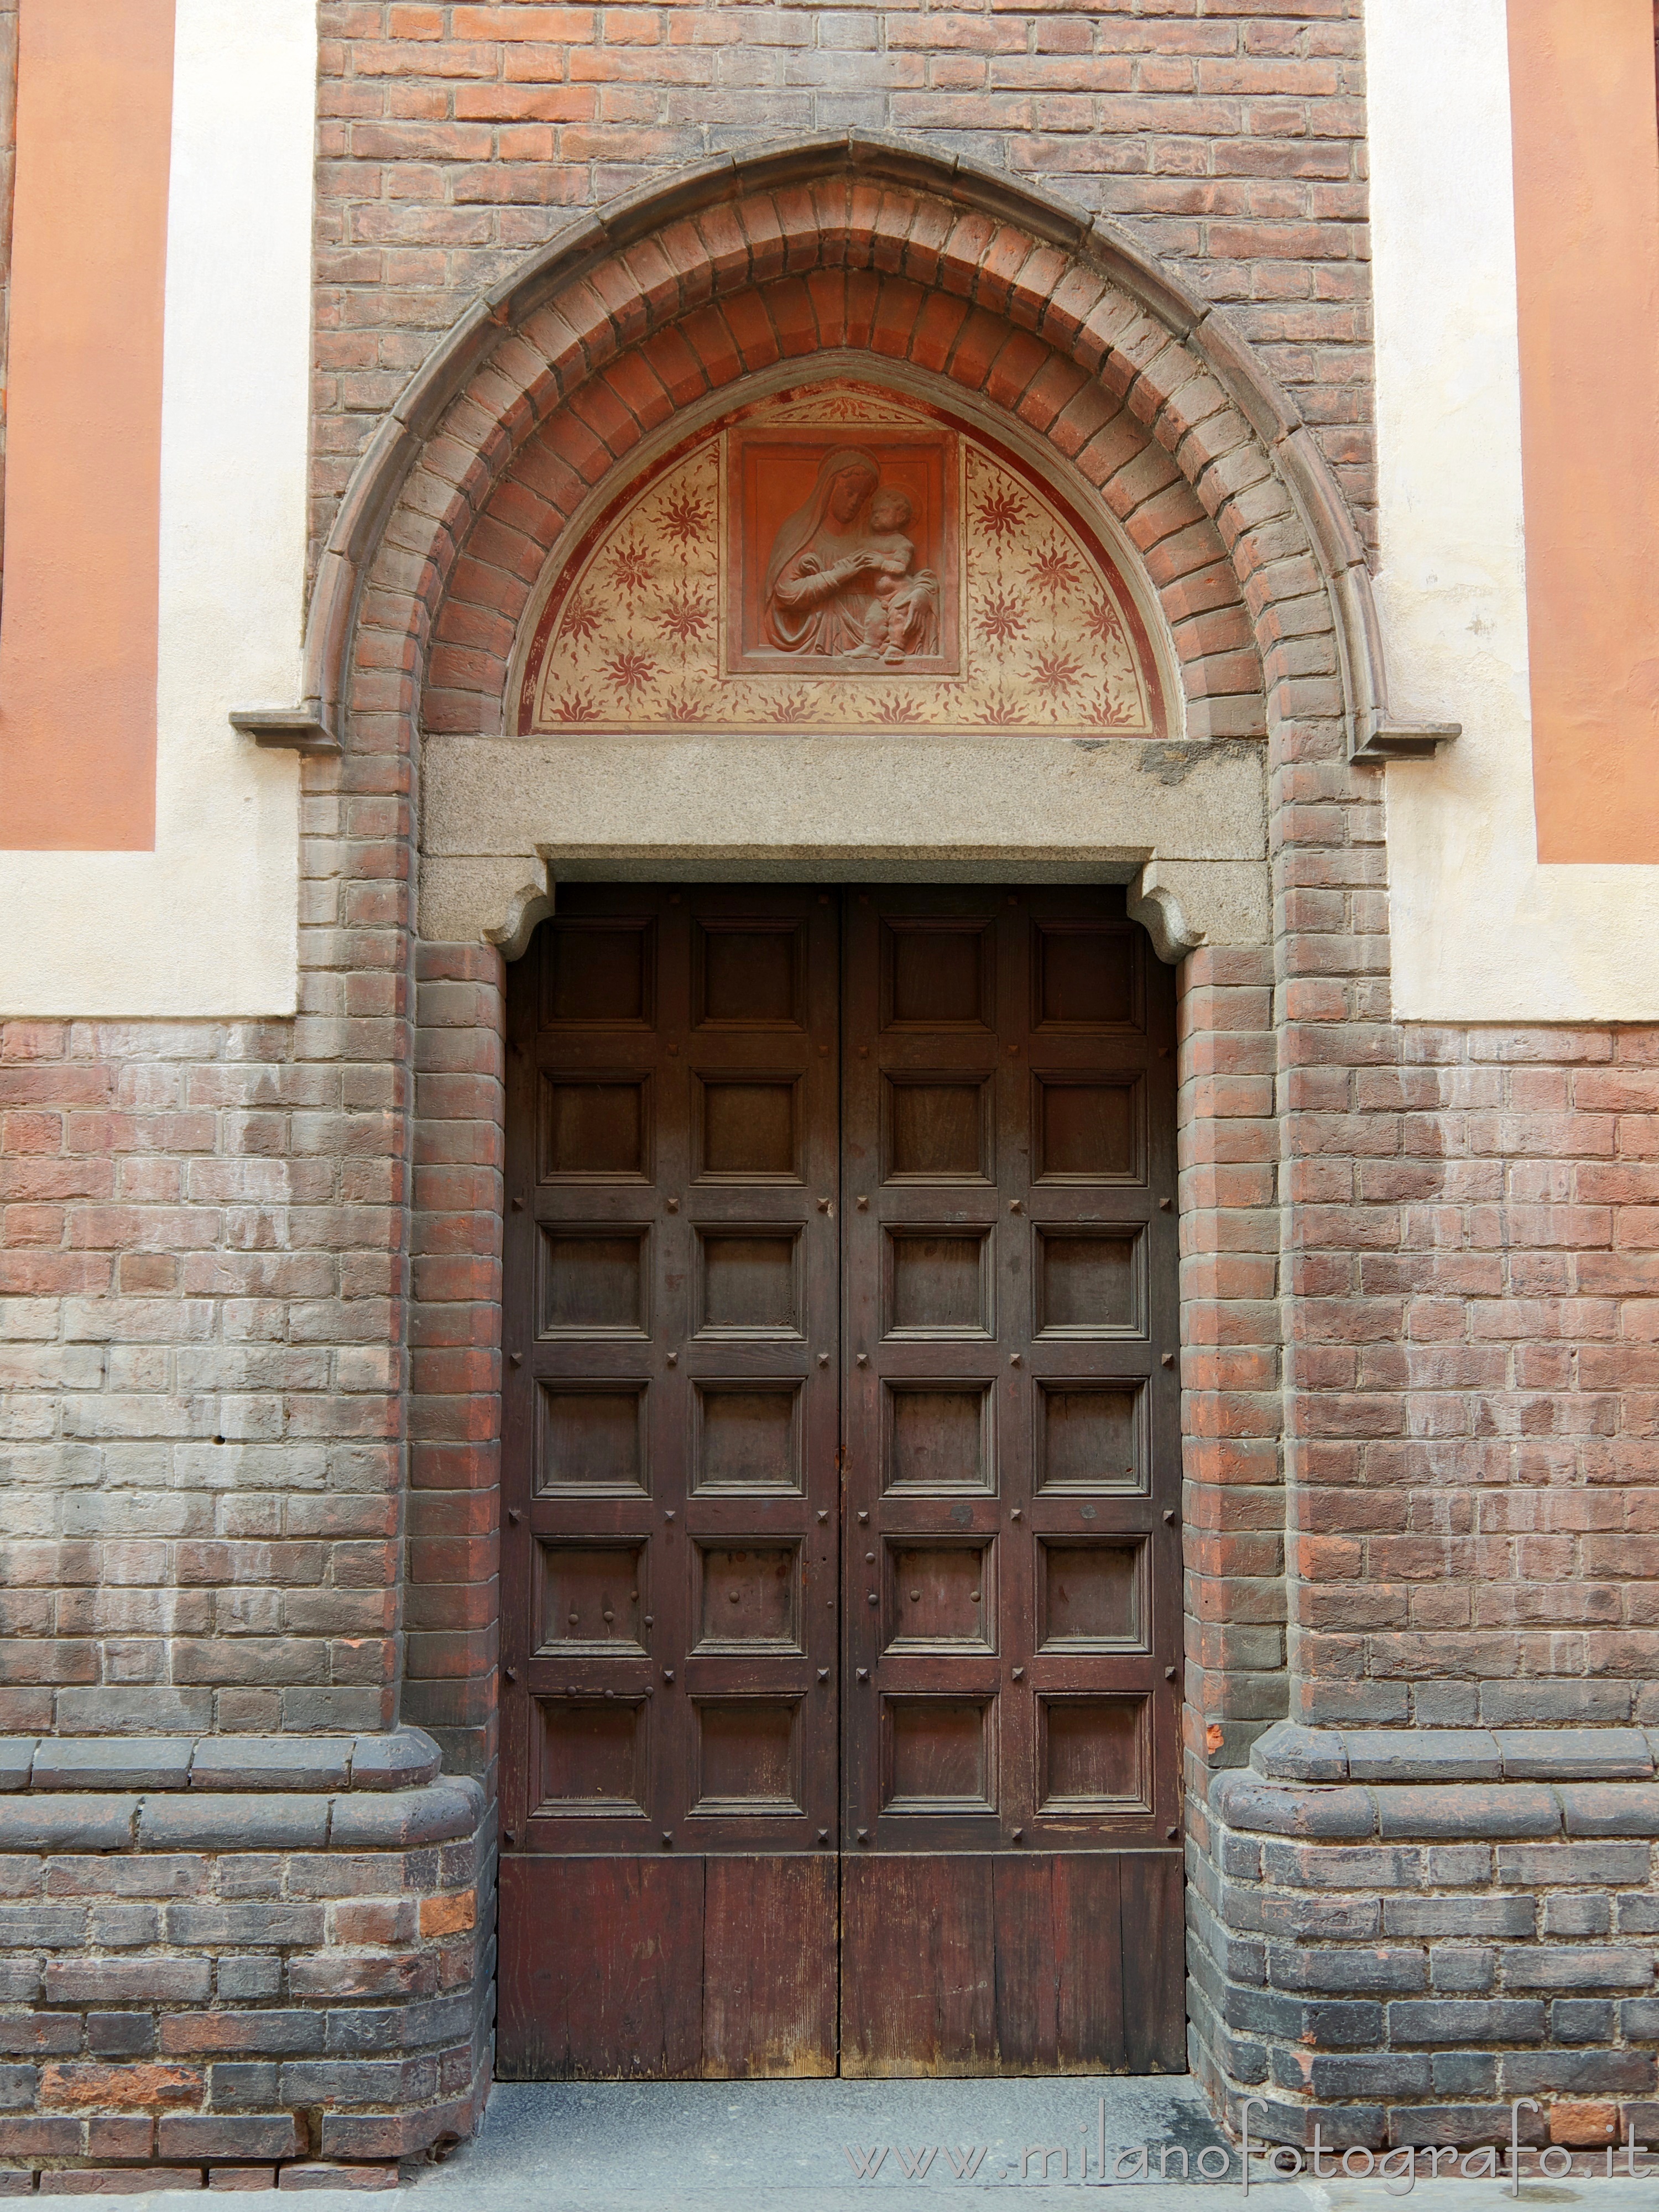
{"x":903,"y":615}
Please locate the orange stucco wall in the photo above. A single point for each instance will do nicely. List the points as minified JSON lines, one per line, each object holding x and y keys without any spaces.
{"x":78,"y":621}
{"x":1586,"y":143}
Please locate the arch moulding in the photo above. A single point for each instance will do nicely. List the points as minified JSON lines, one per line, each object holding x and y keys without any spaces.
{"x":857,"y":204}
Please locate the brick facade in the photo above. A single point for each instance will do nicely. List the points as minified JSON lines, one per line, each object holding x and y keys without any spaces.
{"x":1231,"y":139}
{"x":1475,"y":1270}
{"x":250,"y":1276}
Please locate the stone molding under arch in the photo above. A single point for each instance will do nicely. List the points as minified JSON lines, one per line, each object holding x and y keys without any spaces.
{"x":1032,"y":255}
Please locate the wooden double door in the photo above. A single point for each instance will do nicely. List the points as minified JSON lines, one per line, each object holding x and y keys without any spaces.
{"x":841,"y":1596}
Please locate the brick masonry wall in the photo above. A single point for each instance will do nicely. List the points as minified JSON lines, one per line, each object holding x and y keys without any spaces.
{"x":1474,"y":1254}
{"x":1227,"y":135}
{"x":453,"y":1597}
{"x":203,"y":1268}
{"x":1233,"y":1369}
{"x":280,"y":1981}
{"x":1398,"y":1958}
{"x":250,"y":1273}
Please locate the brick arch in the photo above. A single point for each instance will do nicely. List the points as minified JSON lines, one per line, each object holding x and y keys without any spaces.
{"x":1059,"y":323}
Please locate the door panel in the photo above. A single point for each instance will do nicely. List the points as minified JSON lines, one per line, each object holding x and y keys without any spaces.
{"x":1012,"y":1620}
{"x":670,"y":1579}
{"x":667,"y":1968}
{"x":891,"y":1171}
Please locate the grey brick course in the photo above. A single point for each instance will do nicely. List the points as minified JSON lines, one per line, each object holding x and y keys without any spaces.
{"x":47,"y":1928}
{"x":182,"y":2136}
{"x":16,"y":1761}
{"x":1578,"y":2074}
{"x":120,"y":2034}
{"x":1464,"y":1916}
{"x":1451,"y":2020}
{"x":1577,"y":1967}
{"x":1577,"y":1913}
{"x":1456,"y":1967}
{"x":1462,"y":2074}
{"x":1553,"y":1866}
{"x":1426,"y":1755}
{"x":1575,"y":1754}
{"x":1359,"y":1970}
{"x":67,"y":1823}
{"x":245,"y":1925}
{"x":1583,"y":2020}
{"x":1481,"y":1808}
{"x":112,"y":1763}
{"x":220,"y":1822}
{"x":264,"y":1762}
{"x":128,"y":1981}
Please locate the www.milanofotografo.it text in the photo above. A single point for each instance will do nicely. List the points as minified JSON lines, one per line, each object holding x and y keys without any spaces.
{"x":1089,"y":2161}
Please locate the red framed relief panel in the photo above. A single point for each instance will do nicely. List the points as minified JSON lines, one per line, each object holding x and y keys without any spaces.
{"x":842,"y":560}
{"x":842,"y":551}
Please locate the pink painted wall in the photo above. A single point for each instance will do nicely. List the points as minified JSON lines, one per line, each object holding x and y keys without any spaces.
{"x":78,"y":622}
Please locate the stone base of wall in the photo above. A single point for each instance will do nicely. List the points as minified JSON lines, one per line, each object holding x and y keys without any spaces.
{"x":270,"y":1954}
{"x":1396,"y":1933}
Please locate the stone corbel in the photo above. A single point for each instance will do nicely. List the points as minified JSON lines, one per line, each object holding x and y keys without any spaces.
{"x":299,"y":729}
{"x":528,"y":907}
{"x":1376,"y":731}
{"x":1154,"y":905}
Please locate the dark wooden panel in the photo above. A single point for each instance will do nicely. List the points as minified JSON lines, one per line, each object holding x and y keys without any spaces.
{"x":601,"y":1969}
{"x":1011,"y":1434}
{"x":769,"y":1963}
{"x":1026,"y":1970}
{"x":1005,"y":1963}
{"x":1154,"y":1962}
{"x":994,"y":1199}
{"x":918,"y":1980}
{"x":671,"y":1388}
{"x":1095,"y":1992}
{"x":1059,"y":1965}
{"x":670,"y":1572}
{"x":1012,"y":1635}
{"x":618,"y":1969}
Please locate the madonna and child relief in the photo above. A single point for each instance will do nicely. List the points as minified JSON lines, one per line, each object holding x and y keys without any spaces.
{"x":839,"y":561}
{"x":842,"y":581}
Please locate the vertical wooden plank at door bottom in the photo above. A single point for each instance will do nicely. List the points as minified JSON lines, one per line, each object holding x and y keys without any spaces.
{"x":918,"y":1985}
{"x":1059,"y":1965}
{"x":770,"y":1945}
{"x":1011,"y":1963}
{"x":601,"y":1969}
{"x":1095,"y":1997}
{"x":1027,"y":1970}
{"x":1154,"y":1962}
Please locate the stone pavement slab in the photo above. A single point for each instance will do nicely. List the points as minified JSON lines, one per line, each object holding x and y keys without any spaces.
{"x":835,"y":2146}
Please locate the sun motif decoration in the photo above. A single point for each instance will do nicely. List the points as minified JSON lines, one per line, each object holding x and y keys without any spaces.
{"x":840,"y":561}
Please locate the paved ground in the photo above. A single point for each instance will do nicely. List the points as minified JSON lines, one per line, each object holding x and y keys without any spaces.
{"x":784,"y":2146}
